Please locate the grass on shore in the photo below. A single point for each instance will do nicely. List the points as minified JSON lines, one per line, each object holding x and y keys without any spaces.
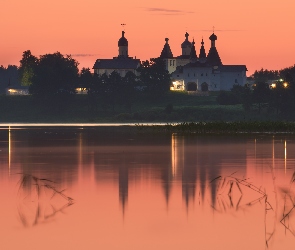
{"x":173,"y":107}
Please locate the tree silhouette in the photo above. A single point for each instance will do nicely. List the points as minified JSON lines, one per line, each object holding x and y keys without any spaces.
{"x":54,"y":81}
{"x":155,"y":77}
{"x":261,"y":94}
{"x":27,"y":68}
{"x":54,"y":74}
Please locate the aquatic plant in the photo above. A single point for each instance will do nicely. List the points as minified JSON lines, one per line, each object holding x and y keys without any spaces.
{"x":222,"y":127}
{"x":39,"y":200}
{"x":227,"y":185}
{"x":289,"y":205}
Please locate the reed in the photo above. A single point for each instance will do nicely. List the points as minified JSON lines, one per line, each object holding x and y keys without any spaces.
{"x":221,"y":127}
{"x":36,"y":198}
{"x":227,"y":184}
{"x":289,"y":205}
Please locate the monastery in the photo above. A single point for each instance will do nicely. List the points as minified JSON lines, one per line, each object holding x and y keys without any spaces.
{"x":189,"y":71}
{"x":202,"y":72}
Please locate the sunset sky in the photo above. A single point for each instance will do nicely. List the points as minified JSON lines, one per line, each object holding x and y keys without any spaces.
{"x":257,"y":33}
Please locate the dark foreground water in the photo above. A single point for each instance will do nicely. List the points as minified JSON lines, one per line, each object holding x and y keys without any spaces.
{"x":102,"y":188}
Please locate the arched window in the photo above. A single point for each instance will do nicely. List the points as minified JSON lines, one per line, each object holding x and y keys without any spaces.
{"x":204,"y":86}
{"x":191,"y":86}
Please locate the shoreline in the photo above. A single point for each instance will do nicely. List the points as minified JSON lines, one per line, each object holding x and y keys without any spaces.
{"x":221,"y":127}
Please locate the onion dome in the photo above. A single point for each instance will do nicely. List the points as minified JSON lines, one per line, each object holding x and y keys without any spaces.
{"x":213,"y":37}
{"x":123,"y":41}
{"x":186,"y":42}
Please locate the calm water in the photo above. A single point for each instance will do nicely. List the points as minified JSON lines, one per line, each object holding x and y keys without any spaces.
{"x":102,"y":188}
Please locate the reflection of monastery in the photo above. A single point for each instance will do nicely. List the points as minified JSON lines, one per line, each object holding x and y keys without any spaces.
{"x":190,"y":71}
{"x":167,"y":163}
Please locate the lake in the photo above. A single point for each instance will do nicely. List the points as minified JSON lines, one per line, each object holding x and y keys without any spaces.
{"x":84,"y":187}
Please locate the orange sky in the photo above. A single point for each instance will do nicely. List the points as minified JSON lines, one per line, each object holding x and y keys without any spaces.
{"x":257,"y":33}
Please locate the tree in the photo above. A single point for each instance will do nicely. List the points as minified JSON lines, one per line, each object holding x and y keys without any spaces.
{"x":54,"y":81}
{"x":238,"y":91}
{"x":281,"y":100}
{"x":27,"y":67}
{"x":54,"y":74}
{"x":264,"y":75}
{"x":114,"y":89}
{"x":261,"y":94}
{"x":247,"y":98}
{"x":85,"y":79}
{"x":128,"y":93}
{"x":155,"y":77}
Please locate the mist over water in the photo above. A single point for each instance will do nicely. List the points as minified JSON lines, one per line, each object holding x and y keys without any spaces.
{"x":110,"y":188}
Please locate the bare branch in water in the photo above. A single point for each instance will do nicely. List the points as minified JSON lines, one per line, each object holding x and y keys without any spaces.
{"x":36,"y":188}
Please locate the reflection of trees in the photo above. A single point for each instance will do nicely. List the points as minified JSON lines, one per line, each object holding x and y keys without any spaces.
{"x":39,"y":200}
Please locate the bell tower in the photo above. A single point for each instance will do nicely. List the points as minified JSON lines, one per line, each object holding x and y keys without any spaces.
{"x":123,"y":46}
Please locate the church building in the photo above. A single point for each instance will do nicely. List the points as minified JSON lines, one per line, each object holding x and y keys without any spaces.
{"x":201,"y":73}
{"x":121,"y":64}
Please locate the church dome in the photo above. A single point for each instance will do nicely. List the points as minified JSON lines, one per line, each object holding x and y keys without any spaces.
{"x":123,"y":41}
{"x":186,"y":43}
{"x":213,"y":37}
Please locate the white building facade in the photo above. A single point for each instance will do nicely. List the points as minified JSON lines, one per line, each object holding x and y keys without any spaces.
{"x":202,"y":72}
{"x":121,"y":64}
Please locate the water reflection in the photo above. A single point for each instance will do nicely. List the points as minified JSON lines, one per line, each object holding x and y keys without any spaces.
{"x":9,"y":149}
{"x":169,"y":190}
{"x":39,"y":200}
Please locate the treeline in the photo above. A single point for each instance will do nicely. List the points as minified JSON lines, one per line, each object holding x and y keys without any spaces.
{"x":264,"y":75}
{"x":54,"y":78}
{"x":111,"y":91}
{"x":273,"y":91}
{"x":261,"y":97}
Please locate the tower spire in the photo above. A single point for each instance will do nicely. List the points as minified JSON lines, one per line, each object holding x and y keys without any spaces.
{"x":202,"y":54}
{"x":213,"y":56}
{"x":166,"y":51}
{"x":193,"y":54}
{"x":123,"y":44}
{"x":186,"y":36}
